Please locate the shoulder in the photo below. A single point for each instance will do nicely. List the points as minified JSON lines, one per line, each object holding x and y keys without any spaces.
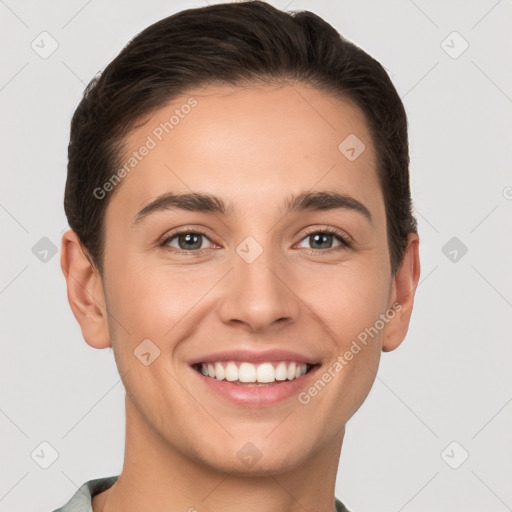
{"x":340,"y":507}
{"x":81,"y":501}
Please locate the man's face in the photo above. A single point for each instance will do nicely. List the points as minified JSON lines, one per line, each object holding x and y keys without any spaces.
{"x":256,"y":285}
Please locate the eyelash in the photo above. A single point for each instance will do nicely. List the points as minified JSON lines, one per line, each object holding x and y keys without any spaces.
{"x":342,"y":238}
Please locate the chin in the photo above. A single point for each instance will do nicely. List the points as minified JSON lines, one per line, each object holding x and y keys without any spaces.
{"x":247,"y":460}
{"x":262,"y":468}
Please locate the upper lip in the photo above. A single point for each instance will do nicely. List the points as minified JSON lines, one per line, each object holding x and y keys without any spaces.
{"x":254,"y":357}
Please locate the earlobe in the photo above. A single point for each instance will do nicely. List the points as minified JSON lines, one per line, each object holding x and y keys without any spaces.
{"x":85,"y":292}
{"x":405,"y":283}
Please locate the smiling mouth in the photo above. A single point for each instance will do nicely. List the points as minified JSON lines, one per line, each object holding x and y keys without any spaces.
{"x":249,"y":374}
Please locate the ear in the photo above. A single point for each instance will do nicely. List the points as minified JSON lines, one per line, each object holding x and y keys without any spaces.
{"x":85,"y":291}
{"x":404,"y":287}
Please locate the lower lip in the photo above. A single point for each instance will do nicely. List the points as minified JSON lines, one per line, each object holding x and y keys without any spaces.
{"x":257,"y":396}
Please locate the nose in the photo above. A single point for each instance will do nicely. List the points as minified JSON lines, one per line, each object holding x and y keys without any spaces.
{"x":258,"y":294}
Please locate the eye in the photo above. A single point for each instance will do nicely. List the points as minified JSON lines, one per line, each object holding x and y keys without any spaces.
{"x":323,"y":239}
{"x":186,"y":241}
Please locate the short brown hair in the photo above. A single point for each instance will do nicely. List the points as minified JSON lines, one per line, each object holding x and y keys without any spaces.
{"x":230,"y":43}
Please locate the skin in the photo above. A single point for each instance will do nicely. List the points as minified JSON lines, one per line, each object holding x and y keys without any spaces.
{"x":252,"y":147}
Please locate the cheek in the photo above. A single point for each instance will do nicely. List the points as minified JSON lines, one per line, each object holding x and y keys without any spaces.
{"x":149,"y":302}
{"x":351,"y":300}
{"x":350,"y":308}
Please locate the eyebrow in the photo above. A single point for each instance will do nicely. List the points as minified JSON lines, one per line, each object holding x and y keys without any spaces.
{"x":207,"y":203}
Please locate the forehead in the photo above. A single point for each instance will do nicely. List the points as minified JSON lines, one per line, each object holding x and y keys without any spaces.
{"x":254,"y":143}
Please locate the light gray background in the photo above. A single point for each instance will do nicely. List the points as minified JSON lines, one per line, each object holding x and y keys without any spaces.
{"x":449,"y":381}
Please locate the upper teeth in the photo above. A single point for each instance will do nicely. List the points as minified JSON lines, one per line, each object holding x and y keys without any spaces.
{"x":248,"y":372}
